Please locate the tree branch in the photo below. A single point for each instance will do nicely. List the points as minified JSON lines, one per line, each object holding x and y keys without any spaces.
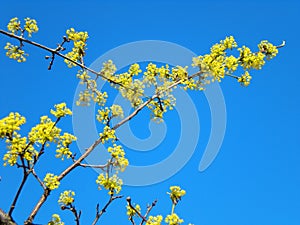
{"x":103,"y":210}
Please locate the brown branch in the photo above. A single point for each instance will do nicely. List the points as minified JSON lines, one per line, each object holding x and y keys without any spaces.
{"x":103,"y":210}
{"x":5,"y":219}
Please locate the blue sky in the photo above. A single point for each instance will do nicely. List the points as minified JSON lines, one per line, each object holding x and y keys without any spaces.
{"x":255,"y":177}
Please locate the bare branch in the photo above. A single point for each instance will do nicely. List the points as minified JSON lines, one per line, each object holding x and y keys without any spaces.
{"x":149,"y":208}
{"x":103,"y":210}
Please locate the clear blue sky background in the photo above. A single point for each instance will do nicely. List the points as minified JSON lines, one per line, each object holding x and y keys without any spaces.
{"x":255,"y":178}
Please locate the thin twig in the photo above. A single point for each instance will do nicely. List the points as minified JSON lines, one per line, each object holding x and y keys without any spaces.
{"x":74,"y":211}
{"x":38,"y":179}
{"x":103,"y":210}
{"x":24,"y":179}
{"x":93,"y":166}
{"x":149,"y":208}
{"x":128,"y":199}
{"x":55,"y":52}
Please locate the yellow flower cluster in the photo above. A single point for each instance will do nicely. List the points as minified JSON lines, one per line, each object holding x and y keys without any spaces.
{"x":268,"y":49}
{"x":66,"y":198}
{"x":173,"y":219}
{"x":179,"y":73}
{"x":106,"y":114}
{"x":107,"y":134}
{"x":228,"y":43}
{"x":245,"y":79}
{"x":44,"y":131}
{"x":18,"y":146}
{"x":214,"y":63}
{"x":83,"y":76}
{"x":51,"y":181}
{"x":61,"y":110}
{"x":63,"y":149}
{"x":10,"y":124}
{"x":99,"y":97}
{"x":217,"y":64}
{"x":160,"y":106}
{"x":117,"y":111}
{"x":113,"y":184}
{"x":154,"y":220}
{"x":118,"y":154}
{"x":150,"y":75}
{"x":15,"y":52}
{"x":176,"y":193}
{"x":108,"y":69}
{"x":84,"y":98}
{"x":131,"y":212}
{"x":250,"y":60}
{"x":56,"y":220}
{"x":14,"y":25}
{"x":134,"y":92}
{"x":103,"y":115}
{"x":78,"y":51}
{"x":30,"y":26}
{"x":134,"y":69}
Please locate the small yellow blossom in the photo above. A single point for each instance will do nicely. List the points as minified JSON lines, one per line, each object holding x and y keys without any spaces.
{"x":107,"y":134}
{"x":245,"y":79}
{"x":154,"y":220}
{"x":131,"y":212}
{"x":173,"y":219}
{"x":51,"y":181}
{"x":30,"y":26}
{"x":56,"y":220}
{"x":64,"y":141}
{"x":118,"y":154}
{"x":268,"y":49}
{"x":61,"y":110}
{"x":176,"y":193}
{"x":10,"y":124}
{"x":66,"y":198}
{"x":113,"y":184}
{"x":14,"y":25}
{"x":15,"y":52}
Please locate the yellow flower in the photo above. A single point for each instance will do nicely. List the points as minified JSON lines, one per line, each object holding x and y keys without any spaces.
{"x":61,"y":110}
{"x":15,"y":52}
{"x":245,"y":79}
{"x":30,"y":26}
{"x":51,"y":181}
{"x":268,"y":49}
{"x":64,"y":141}
{"x":154,"y":220}
{"x":118,"y":154}
{"x":66,"y":198}
{"x":14,"y":25}
{"x":131,"y":212}
{"x":173,"y":219}
{"x":107,"y":134}
{"x":176,"y":193}
{"x":56,"y":220}
{"x":10,"y":124}
{"x":113,"y":184}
